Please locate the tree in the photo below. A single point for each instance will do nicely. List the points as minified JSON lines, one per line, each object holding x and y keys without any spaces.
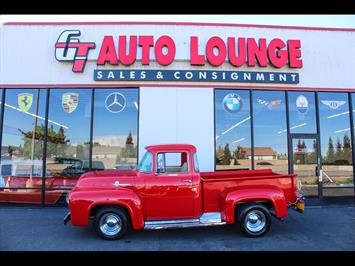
{"x":312,"y":156}
{"x":303,"y":146}
{"x":330,"y":153}
{"x":338,"y":150}
{"x":56,"y":144}
{"x":219,"y":155}
{"x":227,"y":155}
{"x":129,"y":151}
{"x":238,"y":154}
{"x":347,"y":149}
{"x":299,"y":145}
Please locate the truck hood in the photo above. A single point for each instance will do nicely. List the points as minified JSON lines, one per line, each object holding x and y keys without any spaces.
{"x":106,"y":179}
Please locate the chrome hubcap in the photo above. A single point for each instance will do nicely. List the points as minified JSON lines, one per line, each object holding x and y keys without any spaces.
{"x":255,"y":221}
{"x":110,"y":224}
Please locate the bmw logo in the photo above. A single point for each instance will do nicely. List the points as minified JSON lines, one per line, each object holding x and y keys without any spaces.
{"x":115,"y":102}
{"x":232,"y":103}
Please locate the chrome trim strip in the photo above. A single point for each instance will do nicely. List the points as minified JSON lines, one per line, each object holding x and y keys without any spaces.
{"x":171,"y":221}
{"x":207,"y":219}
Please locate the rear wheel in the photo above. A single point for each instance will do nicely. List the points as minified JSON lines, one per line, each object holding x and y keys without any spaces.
{"x":111,"y":223}
{"x":253,"y":219}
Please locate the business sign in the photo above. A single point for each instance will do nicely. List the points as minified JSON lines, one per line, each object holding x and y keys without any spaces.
{"x":194,"y":75}
{"x":70,"y":101}
{"x":237,"y":52}
{"x":333,"y":104}
{"x":24,"y":101}
{"x":232,"y":103}
{"x":115,"y":102}
{"x":302,"y":104}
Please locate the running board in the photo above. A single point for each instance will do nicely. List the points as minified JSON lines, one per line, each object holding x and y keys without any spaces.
{"x":207,"y":219}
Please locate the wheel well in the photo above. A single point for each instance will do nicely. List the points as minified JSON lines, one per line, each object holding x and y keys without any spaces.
{"x":96,"y":208}
{"x":267,"y":203}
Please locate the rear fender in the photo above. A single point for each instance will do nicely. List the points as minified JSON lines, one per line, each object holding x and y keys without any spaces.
{"x":123,"y":197}
{"x":245,"y":194}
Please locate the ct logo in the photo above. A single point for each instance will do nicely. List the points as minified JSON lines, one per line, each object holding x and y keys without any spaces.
{"x":69,"y":49}
{"x":115,"y":102}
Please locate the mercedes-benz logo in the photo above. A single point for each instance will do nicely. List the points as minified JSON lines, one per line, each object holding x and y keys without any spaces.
{"x":115,"y":102}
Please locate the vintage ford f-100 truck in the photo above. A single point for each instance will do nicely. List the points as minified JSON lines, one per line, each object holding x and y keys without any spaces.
{"x":167,"y":190}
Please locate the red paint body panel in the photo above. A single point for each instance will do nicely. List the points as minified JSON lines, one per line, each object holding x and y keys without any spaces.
{"x":215,"y":183}
{"x":166,"y":196}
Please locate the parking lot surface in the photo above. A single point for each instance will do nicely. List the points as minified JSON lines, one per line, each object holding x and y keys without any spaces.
{"x":41,"y":229}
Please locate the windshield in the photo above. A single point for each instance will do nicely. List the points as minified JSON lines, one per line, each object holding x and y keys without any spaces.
{"x":146,"y":163}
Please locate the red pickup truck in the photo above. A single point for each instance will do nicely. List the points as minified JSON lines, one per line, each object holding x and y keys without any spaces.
{"x":167,"y":190}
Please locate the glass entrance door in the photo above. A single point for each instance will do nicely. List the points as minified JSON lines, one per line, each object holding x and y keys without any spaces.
{"x":305,"y":163}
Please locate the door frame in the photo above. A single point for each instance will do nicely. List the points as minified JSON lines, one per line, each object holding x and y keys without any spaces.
{"x":294,"y":136}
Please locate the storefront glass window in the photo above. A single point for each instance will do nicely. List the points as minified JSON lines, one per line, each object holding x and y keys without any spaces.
{"x":22,"y":145}
{"x":270,"y":131}
{"x":69,"y":122}
{"x":302,"y":112}
{"x":336,"y":145}
{"x":115,"y":129}
{"x":232,"y":118}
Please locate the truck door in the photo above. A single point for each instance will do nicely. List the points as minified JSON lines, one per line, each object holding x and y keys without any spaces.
{"x":168,"y":191}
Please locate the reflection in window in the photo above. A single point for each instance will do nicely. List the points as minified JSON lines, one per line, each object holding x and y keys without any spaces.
{"x":270,"y":130}
{"x":335,"y":134}
{"x":68,"y":136}
{"x":115,"y":128}
{"x":302,"y":112}
{"x":232,"y":118}
{"x":22,"y":145}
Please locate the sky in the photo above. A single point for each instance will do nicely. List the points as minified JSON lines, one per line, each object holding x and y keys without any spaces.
{"x":327,"y":21}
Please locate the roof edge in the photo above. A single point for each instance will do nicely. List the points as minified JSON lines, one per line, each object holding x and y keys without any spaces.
{"x":176,"y":24}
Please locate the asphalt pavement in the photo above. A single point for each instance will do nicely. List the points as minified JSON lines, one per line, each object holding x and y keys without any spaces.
{"x":41,"y":229}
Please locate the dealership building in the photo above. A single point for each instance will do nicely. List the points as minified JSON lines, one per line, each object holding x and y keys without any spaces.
{"x":88,"y":96}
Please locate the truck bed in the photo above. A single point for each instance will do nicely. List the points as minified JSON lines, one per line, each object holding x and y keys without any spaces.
{"x":214,"y":183}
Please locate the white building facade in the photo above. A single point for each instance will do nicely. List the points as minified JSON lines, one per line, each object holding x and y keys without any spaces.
{"x":220,"y":87}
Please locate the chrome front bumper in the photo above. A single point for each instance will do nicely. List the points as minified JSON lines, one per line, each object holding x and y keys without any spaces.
{"x":66,"y":218}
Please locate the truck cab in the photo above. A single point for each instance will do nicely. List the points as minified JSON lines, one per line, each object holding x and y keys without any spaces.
{"x":167,"y":190}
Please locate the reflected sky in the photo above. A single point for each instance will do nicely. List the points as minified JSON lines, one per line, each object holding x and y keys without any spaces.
{"x":269,"y":109}
{"x":302,"y":112}
{"x":107,"y":124}
{"x":14,"y":118}
{"x":76,"y":121}
{"x":232,"y":127}
{"x":333,"y":117}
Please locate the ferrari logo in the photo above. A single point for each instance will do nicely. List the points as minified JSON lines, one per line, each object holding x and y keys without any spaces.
{"x":70,"y":101}
{"x":24,"y":101}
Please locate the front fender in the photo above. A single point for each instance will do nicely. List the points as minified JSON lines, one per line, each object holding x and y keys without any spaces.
{"x":273,"y":194}
{"x":81,"y":203}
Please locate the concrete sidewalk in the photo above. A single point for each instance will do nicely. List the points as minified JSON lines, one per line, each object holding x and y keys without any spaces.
{"x":42,"y":229}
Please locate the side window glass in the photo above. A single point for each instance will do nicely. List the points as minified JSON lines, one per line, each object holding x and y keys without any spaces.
{"x":146,"y":164}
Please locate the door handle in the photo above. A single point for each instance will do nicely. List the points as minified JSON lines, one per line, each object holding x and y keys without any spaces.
{"x":187,"y":180}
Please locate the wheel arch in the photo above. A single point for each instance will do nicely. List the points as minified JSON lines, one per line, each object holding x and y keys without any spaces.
{"x":133,"y":213}
{"x":270,"y":197}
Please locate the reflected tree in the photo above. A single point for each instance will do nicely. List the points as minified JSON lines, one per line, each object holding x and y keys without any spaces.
{"x":56,"y":143}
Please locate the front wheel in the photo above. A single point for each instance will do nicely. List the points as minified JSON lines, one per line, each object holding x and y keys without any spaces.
{"x":111,"y":223}
{"x":254,"y":219}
